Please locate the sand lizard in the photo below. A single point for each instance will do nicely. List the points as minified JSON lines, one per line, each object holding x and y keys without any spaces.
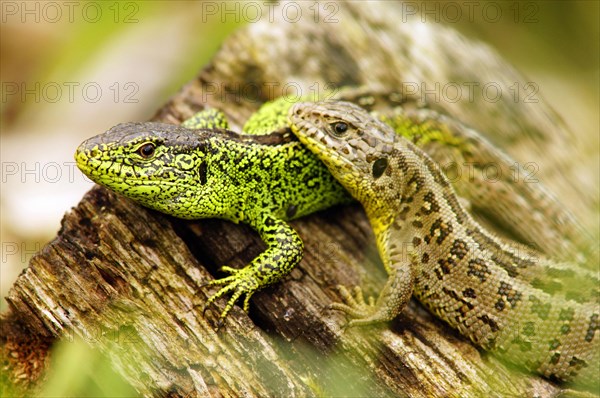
{"x":250,"y":181}
{"x":431,"y":247}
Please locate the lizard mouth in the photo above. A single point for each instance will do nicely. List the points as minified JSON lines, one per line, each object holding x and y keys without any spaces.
{"x":113,"y":173}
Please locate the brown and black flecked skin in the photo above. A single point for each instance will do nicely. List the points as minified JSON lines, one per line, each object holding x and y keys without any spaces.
{"x":534,"y":312}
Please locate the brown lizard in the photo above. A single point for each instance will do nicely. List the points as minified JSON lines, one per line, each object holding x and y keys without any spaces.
{"x":504,"y":299}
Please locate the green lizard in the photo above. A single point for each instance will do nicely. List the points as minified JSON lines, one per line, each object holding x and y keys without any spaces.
{"x":160,"y":182}
{"x":199,"y":173}
{"x":490,"y":291}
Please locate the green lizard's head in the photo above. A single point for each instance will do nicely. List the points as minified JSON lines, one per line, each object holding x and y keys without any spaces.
{"x":353,"y":144}
{"x":158,"y":165}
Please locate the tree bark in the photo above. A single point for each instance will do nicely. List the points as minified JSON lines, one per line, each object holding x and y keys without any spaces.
{"x":131,"y":276}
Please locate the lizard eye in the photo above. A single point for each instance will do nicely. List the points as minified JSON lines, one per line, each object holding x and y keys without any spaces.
{"x":339,"y":128}
{"x":146,"y":150}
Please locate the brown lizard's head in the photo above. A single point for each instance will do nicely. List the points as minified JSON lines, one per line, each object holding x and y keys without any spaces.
{"x":354,"y":145}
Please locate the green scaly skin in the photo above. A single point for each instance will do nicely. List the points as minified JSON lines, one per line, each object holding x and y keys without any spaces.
{"x":199,"y":173}
{"x":534,"y":312}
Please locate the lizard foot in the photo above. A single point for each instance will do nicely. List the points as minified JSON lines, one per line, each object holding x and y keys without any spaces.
{"x":364,"y":313}
{"x":240,"y":282}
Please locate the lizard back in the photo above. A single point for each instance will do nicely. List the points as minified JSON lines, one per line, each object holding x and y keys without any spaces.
{"x":505,"y":298}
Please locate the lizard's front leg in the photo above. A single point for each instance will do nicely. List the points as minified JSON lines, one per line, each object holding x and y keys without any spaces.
{"x":284,"y":251}
{"x":391,"y":301}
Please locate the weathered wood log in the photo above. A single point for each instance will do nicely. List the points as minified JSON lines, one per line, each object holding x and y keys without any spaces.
{"x":134,"y":273}
{"x":117,"y":269}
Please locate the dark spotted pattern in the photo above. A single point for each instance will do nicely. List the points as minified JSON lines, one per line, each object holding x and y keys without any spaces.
{"x":490,"y":322}
{"x":379,"y":167}
{"x":578,"y":363}
{"x":440,"y":228}
{"x":479,"y":269}
{"x":459,"y":249}
{"x":506,"y":292}
{"x":447,"y":264}
{"x":511,"y":269}
{"x":592,"y":328}
{"x":501,"y":296}
{"x":430,"y":204}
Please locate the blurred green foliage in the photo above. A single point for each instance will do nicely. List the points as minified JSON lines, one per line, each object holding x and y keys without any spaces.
{"x":77,"y":370}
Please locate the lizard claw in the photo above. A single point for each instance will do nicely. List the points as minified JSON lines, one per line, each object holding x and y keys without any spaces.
{"x":355,"y":306}
{"x":241,"y":282}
